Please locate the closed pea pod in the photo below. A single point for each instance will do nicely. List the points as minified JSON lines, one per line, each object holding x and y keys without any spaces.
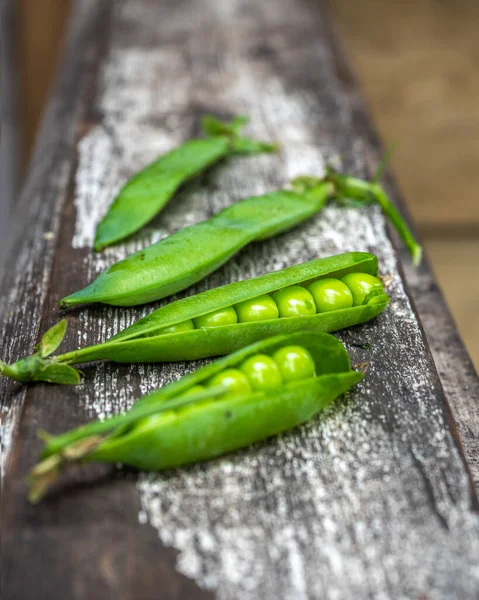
{"x":174,"y":426}
{"x":174,"y":263}
{"x":148,"y":340}
{"x":147,"y":192}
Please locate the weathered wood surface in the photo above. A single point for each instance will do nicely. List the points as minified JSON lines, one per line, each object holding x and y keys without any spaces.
{"x":373,"y":499}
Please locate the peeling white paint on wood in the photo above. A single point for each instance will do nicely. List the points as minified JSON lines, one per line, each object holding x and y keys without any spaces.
{"x":27,"y":269}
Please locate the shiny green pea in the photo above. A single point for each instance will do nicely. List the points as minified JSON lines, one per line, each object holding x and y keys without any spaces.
{"x":261,"y":308}
{"x":294,"y":301}
{"x":262,"y":372}
{"x":330,"y":294}
{"x":361,"y":284}
{"x":234,"y":380}
{"x":217,"y":318}
{"x":177,"y":328}
{"x":294,"y":362}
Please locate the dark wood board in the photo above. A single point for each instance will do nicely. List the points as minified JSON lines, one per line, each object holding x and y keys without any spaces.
{"x":373,"y":499}
{"x":9,"y":138}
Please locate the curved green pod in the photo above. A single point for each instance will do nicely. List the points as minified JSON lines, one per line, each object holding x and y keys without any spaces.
{"x":169,"y":429}
{"x":175,"y":262}
{"x":147,"y":192}
{"x":145,"y":340}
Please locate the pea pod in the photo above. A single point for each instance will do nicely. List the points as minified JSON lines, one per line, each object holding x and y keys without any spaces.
{"x":178,"y":425}
{"x":187,"y":329}
{"x":175,"y":262}
{"x":145,"y":194}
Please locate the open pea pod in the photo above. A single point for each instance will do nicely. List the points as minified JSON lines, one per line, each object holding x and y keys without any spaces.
{"x":192,"y":327}
{"x":203,"y":415}
{"x":147,"y":192}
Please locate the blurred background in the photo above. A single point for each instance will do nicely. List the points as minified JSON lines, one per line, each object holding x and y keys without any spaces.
{"x":417,"y":62}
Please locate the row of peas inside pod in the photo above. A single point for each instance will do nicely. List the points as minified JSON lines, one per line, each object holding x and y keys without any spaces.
{"x":264,"y":372}
{"x":254,"y":393}
{"x":323,"y":295}
{"x":293,"y":301}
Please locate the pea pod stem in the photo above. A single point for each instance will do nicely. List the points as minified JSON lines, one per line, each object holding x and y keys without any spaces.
{"x":174,"y":263}
{"x":7,"y":371}
{"x":348,"y":187}
{"x":147,"y":192}
{"x":165,"y":430}
{"x":76,"y":446}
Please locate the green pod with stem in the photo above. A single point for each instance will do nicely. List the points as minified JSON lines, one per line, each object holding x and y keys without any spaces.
{"x":147,"y":192}
{"x":222,"y":320}
{"x":201,"y":416}
{"x":176,"y":262}
{"x":189,"y":255}
{"x":355,"y":189}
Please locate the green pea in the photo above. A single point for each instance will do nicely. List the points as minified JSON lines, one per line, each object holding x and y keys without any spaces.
{"x":217,"y":318}
{"x":261,"y":308}
{"x":294,"y":301}
{"x":234,"y":380}
{"x":330,"y":294}
{"x":294,"y":362}
{"x":262,"y":372}
{"x":361,"y":284}
{"x":194,"y":390}
{"x":177,"y":327}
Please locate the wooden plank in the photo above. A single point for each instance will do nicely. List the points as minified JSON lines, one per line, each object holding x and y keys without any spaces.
{"x":344,"y":507}
{"x":9,"y":119}
{"x":457,"y":373}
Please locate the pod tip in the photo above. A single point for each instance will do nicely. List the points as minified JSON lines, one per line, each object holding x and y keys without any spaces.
{"x":417,"y":256}
{"x":8,"y":371}
{"x":42,"y":476}
{"x":69,"y":302}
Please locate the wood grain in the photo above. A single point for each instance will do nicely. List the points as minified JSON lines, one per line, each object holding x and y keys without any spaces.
{"x":343,"y":507}
{"x":9,"y":135}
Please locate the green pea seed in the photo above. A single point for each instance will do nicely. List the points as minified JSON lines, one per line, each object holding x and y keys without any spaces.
{"x":261,"y":308}
{"x":361,"y":284}
{"x":177,"y":327}
{"x":294,"y":362}
{"x":194,"y":390}
{"x":294,"y":301}
{"x":217,"y":318}
{"x":330,"y":294}
{"x":262,"y":372}
{"x":234,"y":380}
